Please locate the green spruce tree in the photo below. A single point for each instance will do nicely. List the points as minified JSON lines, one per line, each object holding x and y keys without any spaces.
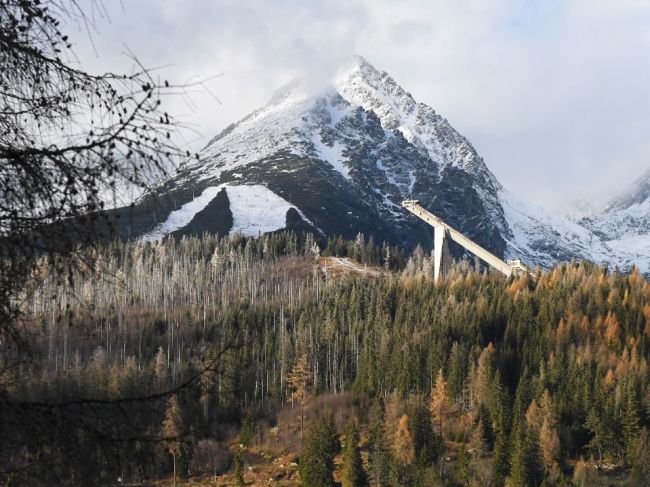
{"x":330,"y":436}
{"x":353,"y":474}
{"x":630,"y":422}
{"x":379,"y":456}
{"x":526,"y":463}
{"x":317,"y":459}
{"x":499,"y":411}
{"x":427,"y":443}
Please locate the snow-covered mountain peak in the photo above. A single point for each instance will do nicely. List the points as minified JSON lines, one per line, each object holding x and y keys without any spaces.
{"x":338,"y":159}
{"x":361,"y":84}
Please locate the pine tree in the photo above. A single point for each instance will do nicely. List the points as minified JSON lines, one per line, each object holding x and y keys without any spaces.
{"x":425,"y":442}
{"x":317,"y":459}
{"x":549,"y":442}
{"x":500,"y":416}
{"x":641,"y":460}
{"x":612,"y":329}
{"x":185,"y":456}
{"x":206,"y":383}
{"x":330,"y":436}
{"x":534,"y":459}
{"x":457,"y":370}
{"x":522,"y":401}
{"x":378,"y":457}
{"x":595,"y":426}
{"x":518,"y":476}
{"x":540,"y":421}
{"x":526,"y":464}
{"x":385,"y":252}
{"x":630,"y":422}
{"x":353,"y":474}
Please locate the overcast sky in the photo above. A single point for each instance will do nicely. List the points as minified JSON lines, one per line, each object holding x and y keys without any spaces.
{"x":555,"y":95}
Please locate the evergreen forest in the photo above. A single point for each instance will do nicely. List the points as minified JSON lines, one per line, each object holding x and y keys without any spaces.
{"x":153,"y":360}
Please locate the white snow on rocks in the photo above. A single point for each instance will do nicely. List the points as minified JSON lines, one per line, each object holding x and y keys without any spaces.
{"x":618,"y":223}
{"x":535,"y":231}
{"x":637,"y":250}
{"x":623,"y":225}
{"x":263,"y":133}
{"x":332,"y":154}
{"x":361,"y":84}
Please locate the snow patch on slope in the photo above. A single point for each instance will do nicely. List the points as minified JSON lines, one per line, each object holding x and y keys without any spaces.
{"x":179,"y":218}
{"x":257,"y":210}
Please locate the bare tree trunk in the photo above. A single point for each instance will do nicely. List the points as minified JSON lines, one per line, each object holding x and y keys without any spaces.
{"x":302,"y":422}
{"x":174,"y":457}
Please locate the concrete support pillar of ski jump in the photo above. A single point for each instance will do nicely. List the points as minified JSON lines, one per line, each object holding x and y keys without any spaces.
{"x":441,"y":257}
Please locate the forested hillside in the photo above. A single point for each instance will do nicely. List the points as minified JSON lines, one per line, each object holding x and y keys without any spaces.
{"x":478,"y":380}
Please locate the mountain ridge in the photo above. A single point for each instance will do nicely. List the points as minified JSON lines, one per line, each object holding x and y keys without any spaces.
{"x":346,"y":157}
{"x":624,"y":222}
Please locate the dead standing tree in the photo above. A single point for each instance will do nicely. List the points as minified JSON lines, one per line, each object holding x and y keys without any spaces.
{"x":67,"y":137}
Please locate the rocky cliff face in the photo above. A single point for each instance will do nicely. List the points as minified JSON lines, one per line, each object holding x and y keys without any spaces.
{"x":339,"y":163}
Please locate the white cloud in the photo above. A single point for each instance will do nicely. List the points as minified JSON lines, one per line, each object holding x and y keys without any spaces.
{"x":553,"y":94}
